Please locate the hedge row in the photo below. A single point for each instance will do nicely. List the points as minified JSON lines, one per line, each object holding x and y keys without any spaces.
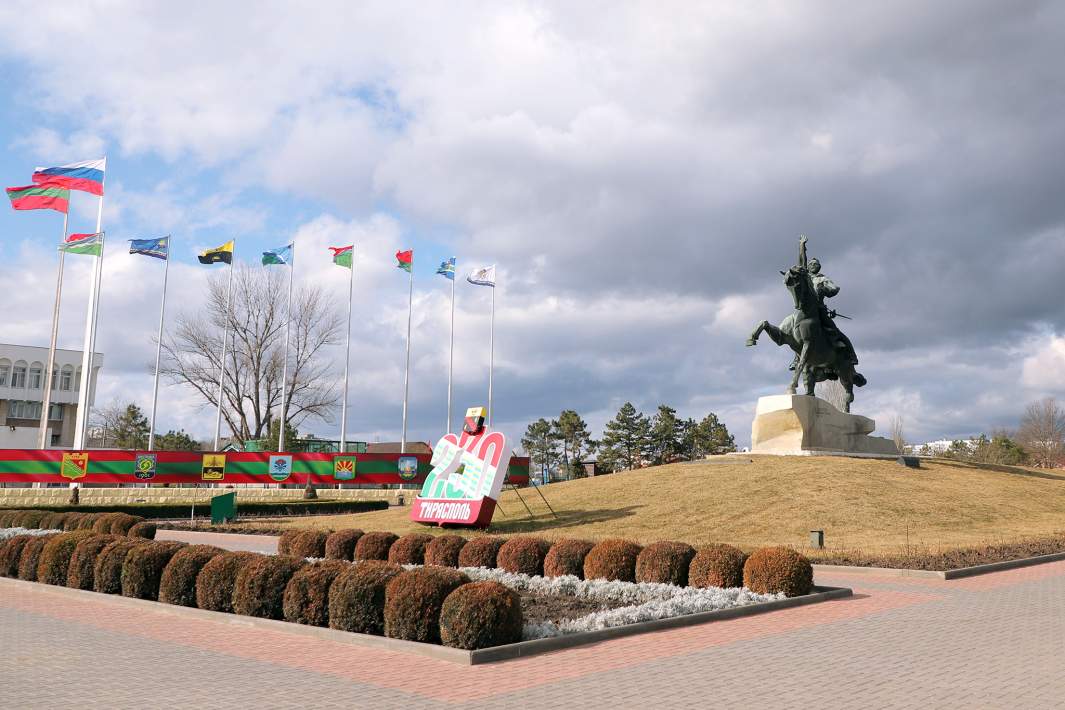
{"x":116,"y":523}
{"x":155,"y":511}
{"x":767,"y":571}
{"x":428,"y":604}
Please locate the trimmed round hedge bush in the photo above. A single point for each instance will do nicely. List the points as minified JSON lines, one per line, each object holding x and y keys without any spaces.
{"x":260,"y":586}
{"x":341,"y":544}
{"x":177,"y":584}
{"x":308,"y":543}
{"x":11,"y":554}
{"x":413,"y":601}
{"x":357,"y":597}
{"x":444,"y":550}
{"x":523,"y":555}
{"x":54,"y":565}
{"x":480,"y":615}
{"x":103,"y":523}
{"x":145,"y":530}
{"x":409,"y":549}
{"x":143,"y":568}
{"x":31,"y":556}
{"x":215,"y":583}
{"x":31,"y":519}
{"x":374,"y":546}
{"x":107,"y":572}
{"x":286,"y":538}
{"x":88,"y":521}
{"x":567,"y":557}
{"x":72,"y":521}
{"x":480,"y":552}
{"x":81,"y":570}
{"x":306,"y":598}
{"x":665,"y":563}
{"x":122,"y":522}
{"x":53,"y":521}
{"x":717,"y":565}
{"x":6,"y":516}
{"x":771,"y":570}
{"x":613,"y":560}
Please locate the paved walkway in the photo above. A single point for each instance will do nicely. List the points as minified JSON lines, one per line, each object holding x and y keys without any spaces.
{"x":996,"y":641}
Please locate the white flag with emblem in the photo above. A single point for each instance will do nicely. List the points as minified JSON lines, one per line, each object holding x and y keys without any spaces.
{"x":485,"y":276}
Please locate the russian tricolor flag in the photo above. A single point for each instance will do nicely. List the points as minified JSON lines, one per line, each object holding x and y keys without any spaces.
{"x":87,"y":176}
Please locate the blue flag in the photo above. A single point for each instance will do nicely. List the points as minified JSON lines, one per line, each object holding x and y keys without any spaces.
{"x":281,"y":255}
{"x":447,"y":269}
{"x":159,"y":248}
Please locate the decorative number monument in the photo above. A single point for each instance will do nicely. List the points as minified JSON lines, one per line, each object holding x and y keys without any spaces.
{"x":467,"y":476}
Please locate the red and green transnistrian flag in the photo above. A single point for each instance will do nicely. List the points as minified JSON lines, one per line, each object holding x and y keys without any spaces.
{"x":342,"y":255}
{"x":405,"y":260}
{"x":44,"y":196}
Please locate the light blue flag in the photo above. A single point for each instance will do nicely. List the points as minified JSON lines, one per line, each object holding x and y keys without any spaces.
{"x":447,"y":269}
{"x":281,"y":255}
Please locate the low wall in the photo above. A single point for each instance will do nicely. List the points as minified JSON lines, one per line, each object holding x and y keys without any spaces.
{"x":30,"y":497}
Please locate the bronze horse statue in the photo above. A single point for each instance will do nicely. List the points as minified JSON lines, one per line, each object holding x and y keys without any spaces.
{"x":820,"y":357}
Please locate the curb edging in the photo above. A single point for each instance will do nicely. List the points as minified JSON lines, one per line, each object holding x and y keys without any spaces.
{"x":957,"y":573}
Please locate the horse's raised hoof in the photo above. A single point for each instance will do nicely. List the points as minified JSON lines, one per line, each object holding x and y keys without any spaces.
{"x":751,"y":342}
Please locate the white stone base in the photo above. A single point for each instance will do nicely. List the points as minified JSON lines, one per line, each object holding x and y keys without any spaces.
{"x":800,"y":425}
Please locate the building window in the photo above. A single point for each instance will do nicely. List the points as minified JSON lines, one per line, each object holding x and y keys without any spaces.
{"x":35,"y":378}
{"x":5,"y":373}
{"x":18,"y":376}
{"x":55,"y":412}
{"x":55,"y":380}
{"x":65,"y":379}
{"x":18,"y":409}
{"x":77,"y":380}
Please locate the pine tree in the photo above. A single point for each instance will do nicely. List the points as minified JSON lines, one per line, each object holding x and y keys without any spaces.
{"x":577,"y":444}
{"x":665,"y":434}
{"x":713,"y":437}
{"x":177,"y":441}
{"x":541,"y":443}
{"x":130,"y":429}
{"x":626,"y":439}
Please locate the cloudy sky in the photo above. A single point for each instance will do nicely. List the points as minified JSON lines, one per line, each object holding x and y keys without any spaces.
{"x":639,"y":172}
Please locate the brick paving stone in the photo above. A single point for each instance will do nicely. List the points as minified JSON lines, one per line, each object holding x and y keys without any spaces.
{"x":989,"y":642}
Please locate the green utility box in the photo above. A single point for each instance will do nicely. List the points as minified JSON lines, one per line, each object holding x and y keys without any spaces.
{"x":224,"y":508}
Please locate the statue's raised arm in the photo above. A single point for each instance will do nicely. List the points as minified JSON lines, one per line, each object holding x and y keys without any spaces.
{"x":802,"y":250}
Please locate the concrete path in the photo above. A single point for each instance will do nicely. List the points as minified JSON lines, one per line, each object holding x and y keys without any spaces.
{"x":996,"y":641}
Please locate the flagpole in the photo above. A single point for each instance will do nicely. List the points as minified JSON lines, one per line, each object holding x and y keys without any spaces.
{"x":284,"y":367}
{"x":159,"y":350}
{"x":222,"y":362}
{"x":451,"y":355}
{"x":406,"y":371}
{"x":43,"y":443}
{"x":347,"y":356}
{"x":491,"y":354}
{"x":82,"y":423}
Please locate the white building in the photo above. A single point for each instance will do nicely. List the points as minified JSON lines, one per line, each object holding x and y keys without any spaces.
{"x":22,"y":384}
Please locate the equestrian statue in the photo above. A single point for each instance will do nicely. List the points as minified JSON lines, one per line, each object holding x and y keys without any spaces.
{"x":822,"y":351}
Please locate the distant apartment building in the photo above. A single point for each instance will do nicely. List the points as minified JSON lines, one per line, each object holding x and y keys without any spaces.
{"x":22,"y":383}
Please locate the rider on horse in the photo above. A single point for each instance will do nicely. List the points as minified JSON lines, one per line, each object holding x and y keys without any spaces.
{"x":825,"y":288}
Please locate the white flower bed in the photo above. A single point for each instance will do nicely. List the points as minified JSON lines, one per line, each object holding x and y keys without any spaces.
{"x":6,"y":533}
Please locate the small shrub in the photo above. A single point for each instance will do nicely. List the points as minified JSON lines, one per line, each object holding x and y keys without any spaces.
{"x":308,"y":543}
{"x":107,"y":572}
{"x":284,"y":541}
{"x":122,"y":522}
{"x":770,"y":570}
{"x":215,"y":583}
{"x":481,"y":615}
{"x":88,"y":521}
{"x":357,"y":597}
{"x":144,"y":529}
{"x":567,"y":557}
{"x":717,"y":565}
{"x":374,"y":546}
{"x":143,"y":568}
{"x":31,"y":519}
{"x":612,"y":560}
{"x":480,"y":552}
{"x":6,"y":516}
{"x":523,"y":555}
{"x":81,"y":570}
{"x":260,"y":586}
{"x":11,"y":553}
{"x":413,"y":601}
{"x":665,"y":563}
{"x":72,"y":521}
{"x":409,"y":549}
{"x":341,"y":544}
{"x":306,"y":598}
{"x":444,"y":550}
{"x":177,"y":584}
{"x":31,"y":557}
{"x":54,"y":565}
{"x":53,"y":521}
{"x":103,"y":522}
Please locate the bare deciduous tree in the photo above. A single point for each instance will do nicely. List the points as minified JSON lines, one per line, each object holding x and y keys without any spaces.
{"x":254,"y":357}
{"x":897,"y":434}
{"x":1042,"y":432}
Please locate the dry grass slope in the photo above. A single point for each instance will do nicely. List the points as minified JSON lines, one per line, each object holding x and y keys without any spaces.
{"x":870,"y":505}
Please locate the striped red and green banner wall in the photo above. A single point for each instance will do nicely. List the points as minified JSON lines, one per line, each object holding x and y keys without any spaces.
{"x":118,"y":466}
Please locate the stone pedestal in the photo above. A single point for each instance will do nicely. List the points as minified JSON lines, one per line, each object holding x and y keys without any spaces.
{"x":799,"y":425}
